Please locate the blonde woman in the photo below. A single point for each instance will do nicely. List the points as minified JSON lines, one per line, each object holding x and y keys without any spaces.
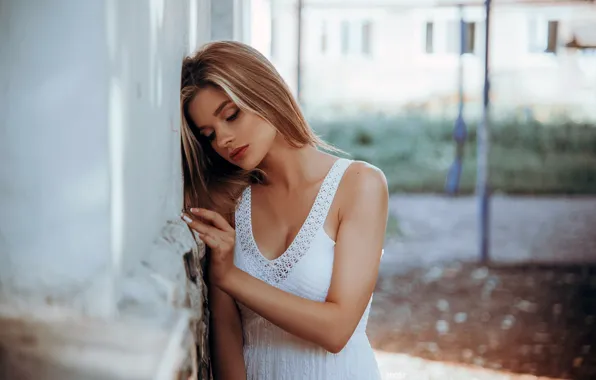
{"x":294,"y":234}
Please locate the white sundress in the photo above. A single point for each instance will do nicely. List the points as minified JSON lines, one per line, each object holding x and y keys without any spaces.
{"x":304,"y":269}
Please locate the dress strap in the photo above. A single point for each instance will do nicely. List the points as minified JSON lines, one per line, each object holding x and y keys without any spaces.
{"x":276,"y":270}
{"x":328,"y":191}
{"x":243,"y":208}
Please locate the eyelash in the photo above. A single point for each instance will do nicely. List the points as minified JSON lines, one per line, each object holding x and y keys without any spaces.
{"x":233,"y":117}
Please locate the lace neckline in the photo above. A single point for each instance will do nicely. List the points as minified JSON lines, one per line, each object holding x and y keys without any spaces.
{"x":275,"y":270}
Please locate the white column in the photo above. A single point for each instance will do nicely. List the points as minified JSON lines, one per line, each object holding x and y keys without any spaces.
{"x":260,"y":26}
{"x":222,"y":20}
{"x":230,"y":20}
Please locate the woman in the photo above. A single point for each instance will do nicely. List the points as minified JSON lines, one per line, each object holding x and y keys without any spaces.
{"x":295,"y":234}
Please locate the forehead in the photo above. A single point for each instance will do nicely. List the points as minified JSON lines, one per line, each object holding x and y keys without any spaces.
{"x":204,"y":104}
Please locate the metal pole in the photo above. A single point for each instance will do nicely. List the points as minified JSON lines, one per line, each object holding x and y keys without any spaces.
{"x":299,"y":53}
{"x":459,"y":130}
{"x":482,"y":140}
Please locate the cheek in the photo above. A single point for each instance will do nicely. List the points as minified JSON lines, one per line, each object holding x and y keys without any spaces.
{"x":258,"y":130}
{"x":267,"y":132}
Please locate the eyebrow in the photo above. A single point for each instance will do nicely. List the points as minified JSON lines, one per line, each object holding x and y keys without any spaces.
{"x":217,"y":111}
{"x":221,"y":107}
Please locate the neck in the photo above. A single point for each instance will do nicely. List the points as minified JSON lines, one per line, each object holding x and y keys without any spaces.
{"x":288,"y":167}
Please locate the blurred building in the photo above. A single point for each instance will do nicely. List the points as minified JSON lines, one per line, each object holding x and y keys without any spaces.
{"x":396,"y":55}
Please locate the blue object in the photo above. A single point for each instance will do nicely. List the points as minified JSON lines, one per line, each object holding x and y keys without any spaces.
{"x":460,"y":130}
{"x":482,"y":190}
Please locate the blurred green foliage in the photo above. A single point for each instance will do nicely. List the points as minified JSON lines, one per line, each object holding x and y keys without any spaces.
{"x":526,"y":156}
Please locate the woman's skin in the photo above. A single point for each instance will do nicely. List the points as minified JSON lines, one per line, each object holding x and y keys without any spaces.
{"x":356,"y":222}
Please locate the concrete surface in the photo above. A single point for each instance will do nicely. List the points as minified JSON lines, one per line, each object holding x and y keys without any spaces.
{"x":435,"y":229}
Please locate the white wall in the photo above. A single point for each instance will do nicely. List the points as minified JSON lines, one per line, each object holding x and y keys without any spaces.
{"x":89,"y":153}
{"x":90,"y":186}
{"x":55,"y":195}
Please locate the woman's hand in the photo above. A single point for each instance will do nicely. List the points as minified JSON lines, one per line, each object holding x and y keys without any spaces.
{"x":218,"y":235}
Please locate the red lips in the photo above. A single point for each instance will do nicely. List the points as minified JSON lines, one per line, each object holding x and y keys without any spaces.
{"x":238,"y":152}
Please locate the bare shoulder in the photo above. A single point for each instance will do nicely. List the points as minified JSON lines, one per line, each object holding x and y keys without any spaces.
{"x":364,"y":177}
{"x":364,"y":182}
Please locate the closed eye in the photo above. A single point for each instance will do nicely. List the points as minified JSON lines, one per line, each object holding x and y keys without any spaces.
{"x":234,"y":116}
{"x":208,"y":137}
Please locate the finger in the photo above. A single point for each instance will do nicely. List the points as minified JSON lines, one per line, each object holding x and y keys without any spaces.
{"x":210,"y":241}
{"x":214,"y":217}
{"x":201,"y":227}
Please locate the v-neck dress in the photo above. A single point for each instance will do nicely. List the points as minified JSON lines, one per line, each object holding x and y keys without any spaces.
{"x":304,"y":269}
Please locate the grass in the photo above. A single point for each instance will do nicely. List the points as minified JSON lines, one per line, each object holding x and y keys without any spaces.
{"x":526,"y":157}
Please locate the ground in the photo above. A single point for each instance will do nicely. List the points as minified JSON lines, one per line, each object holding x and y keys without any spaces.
{"x":532,"y":312}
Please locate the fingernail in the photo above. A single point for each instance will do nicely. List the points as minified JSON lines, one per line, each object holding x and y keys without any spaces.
{"x":194,"y":209}
{"x":186,"y":218}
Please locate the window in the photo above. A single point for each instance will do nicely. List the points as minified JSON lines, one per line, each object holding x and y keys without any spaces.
{"x":366,"y":37}
{"x":345,"y":37}
{"x":553,"y":34}
{"x":542,"y":36}
{"x":470,"y":37}
{"x":479,"y":35}
{"x":324,"y":37}
{"x":429,"y":38}
{"x":356,"y":37}
{"x":454,"y":37}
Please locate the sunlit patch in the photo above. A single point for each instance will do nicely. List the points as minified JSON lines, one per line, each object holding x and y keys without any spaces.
{"x":157,"y":9}
{"x":395,"y":366}
{"x":193,"y":22}
{"x":111,"y":28}
{"x":117,"y":142}
{"x":159,"y":84}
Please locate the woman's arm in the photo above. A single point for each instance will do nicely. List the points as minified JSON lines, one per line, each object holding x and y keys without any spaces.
{"x":330,"y":324}
{"x":226,"y":337}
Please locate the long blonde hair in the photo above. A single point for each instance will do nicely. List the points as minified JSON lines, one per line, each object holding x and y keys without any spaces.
{"x":254,"y":85}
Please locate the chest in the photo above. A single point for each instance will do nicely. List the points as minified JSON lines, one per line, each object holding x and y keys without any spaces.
{"x":277,"y":219}
{"x":306,"y":256}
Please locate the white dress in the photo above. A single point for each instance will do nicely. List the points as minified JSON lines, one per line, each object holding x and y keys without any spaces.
{"x":304,"y":269}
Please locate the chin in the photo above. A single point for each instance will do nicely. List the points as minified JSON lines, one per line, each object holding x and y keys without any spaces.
{"x":252,"y":162}
{"x":252,"y":158}
{"x":248,"y":163}
{"x":251,"y":165}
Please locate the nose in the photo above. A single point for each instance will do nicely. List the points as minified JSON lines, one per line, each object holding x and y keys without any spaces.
{"x":224,"y":137}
